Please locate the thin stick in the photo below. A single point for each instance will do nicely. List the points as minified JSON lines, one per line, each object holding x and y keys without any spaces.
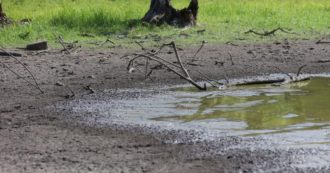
{"x":322,"y":42}
{"x":146,"y":69}
{"x":139,"y":44}
{"x":107,"y":40}
{"x":34,"y":79}
{"x":231,"y":58}
{"x":200,"y":48}
{"x":179,"y":59}
{"x":268,"y":33}
{"x":300,"y":69}
{"x":19,"y":76}
{"x":60,"y":40}
{"x":226,"y":76}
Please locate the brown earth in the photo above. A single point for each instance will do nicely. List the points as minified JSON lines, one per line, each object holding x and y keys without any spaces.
{"x":33,"y":139}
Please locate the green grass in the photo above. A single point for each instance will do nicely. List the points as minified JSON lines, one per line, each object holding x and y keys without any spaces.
{"x":223,"y":20}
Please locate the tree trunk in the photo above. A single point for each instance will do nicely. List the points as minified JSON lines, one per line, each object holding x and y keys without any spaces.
{"x":161,"y":11}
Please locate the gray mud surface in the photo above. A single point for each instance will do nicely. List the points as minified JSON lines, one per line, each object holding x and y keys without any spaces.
{"x":36,"y":138}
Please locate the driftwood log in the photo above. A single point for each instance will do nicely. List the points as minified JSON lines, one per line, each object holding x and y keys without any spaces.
{"x":162,"y":12}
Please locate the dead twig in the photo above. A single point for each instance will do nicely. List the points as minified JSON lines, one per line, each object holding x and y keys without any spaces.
{"x":173,"y":67}
{"x":179,"y":59}
{"x":268,"y":33}
{"x":72,"y":95}
{"x":107,"y":41}
{"x":231,"y":43}
{"x":10,"y":54}
{"x":24,"y":66}
{"x":300,"y":69}
{"x":231,"y":58}
{"x":19,"y":76}
{"x":322,"y":61}
{"x":139,"y":44}
{"x":321,"y":41}
{"x":200,"y":48}
{"x":146,"y":69}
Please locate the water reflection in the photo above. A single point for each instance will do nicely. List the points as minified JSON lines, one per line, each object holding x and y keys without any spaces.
{"x":264,"y":107}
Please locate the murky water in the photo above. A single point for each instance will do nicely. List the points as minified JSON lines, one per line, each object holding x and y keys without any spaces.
{"x":294,"y":114}
{"x":263,"y":107}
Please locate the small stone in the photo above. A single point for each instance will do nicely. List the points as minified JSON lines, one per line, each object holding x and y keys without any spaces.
{"x":59,"y":84}
{"x":91,"y":77}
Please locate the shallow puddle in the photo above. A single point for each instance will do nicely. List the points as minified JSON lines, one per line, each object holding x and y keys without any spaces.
{"x":296,"y":113}
{"x":262,"y":107}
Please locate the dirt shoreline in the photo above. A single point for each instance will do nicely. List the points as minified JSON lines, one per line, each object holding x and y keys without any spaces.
{"x":33,"y":139}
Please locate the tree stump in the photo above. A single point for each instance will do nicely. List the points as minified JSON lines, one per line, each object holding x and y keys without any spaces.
{"x":3,"y":18}
{"x":162,"y":12}
{"x":2,"y":14}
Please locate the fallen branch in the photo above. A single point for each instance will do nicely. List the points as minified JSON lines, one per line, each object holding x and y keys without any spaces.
{"x":173,"y":67}
{"x":322,"y":61}
{"x":321,"y":41}
{"x":267,"y":33}
{"x":168,"y":66}
{"x":264,"y":81}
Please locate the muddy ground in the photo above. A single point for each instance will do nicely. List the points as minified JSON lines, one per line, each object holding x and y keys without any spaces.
{"x":35,"y":139}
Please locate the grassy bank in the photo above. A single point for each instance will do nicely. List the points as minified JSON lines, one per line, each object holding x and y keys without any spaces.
{"x":222,"y":20}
